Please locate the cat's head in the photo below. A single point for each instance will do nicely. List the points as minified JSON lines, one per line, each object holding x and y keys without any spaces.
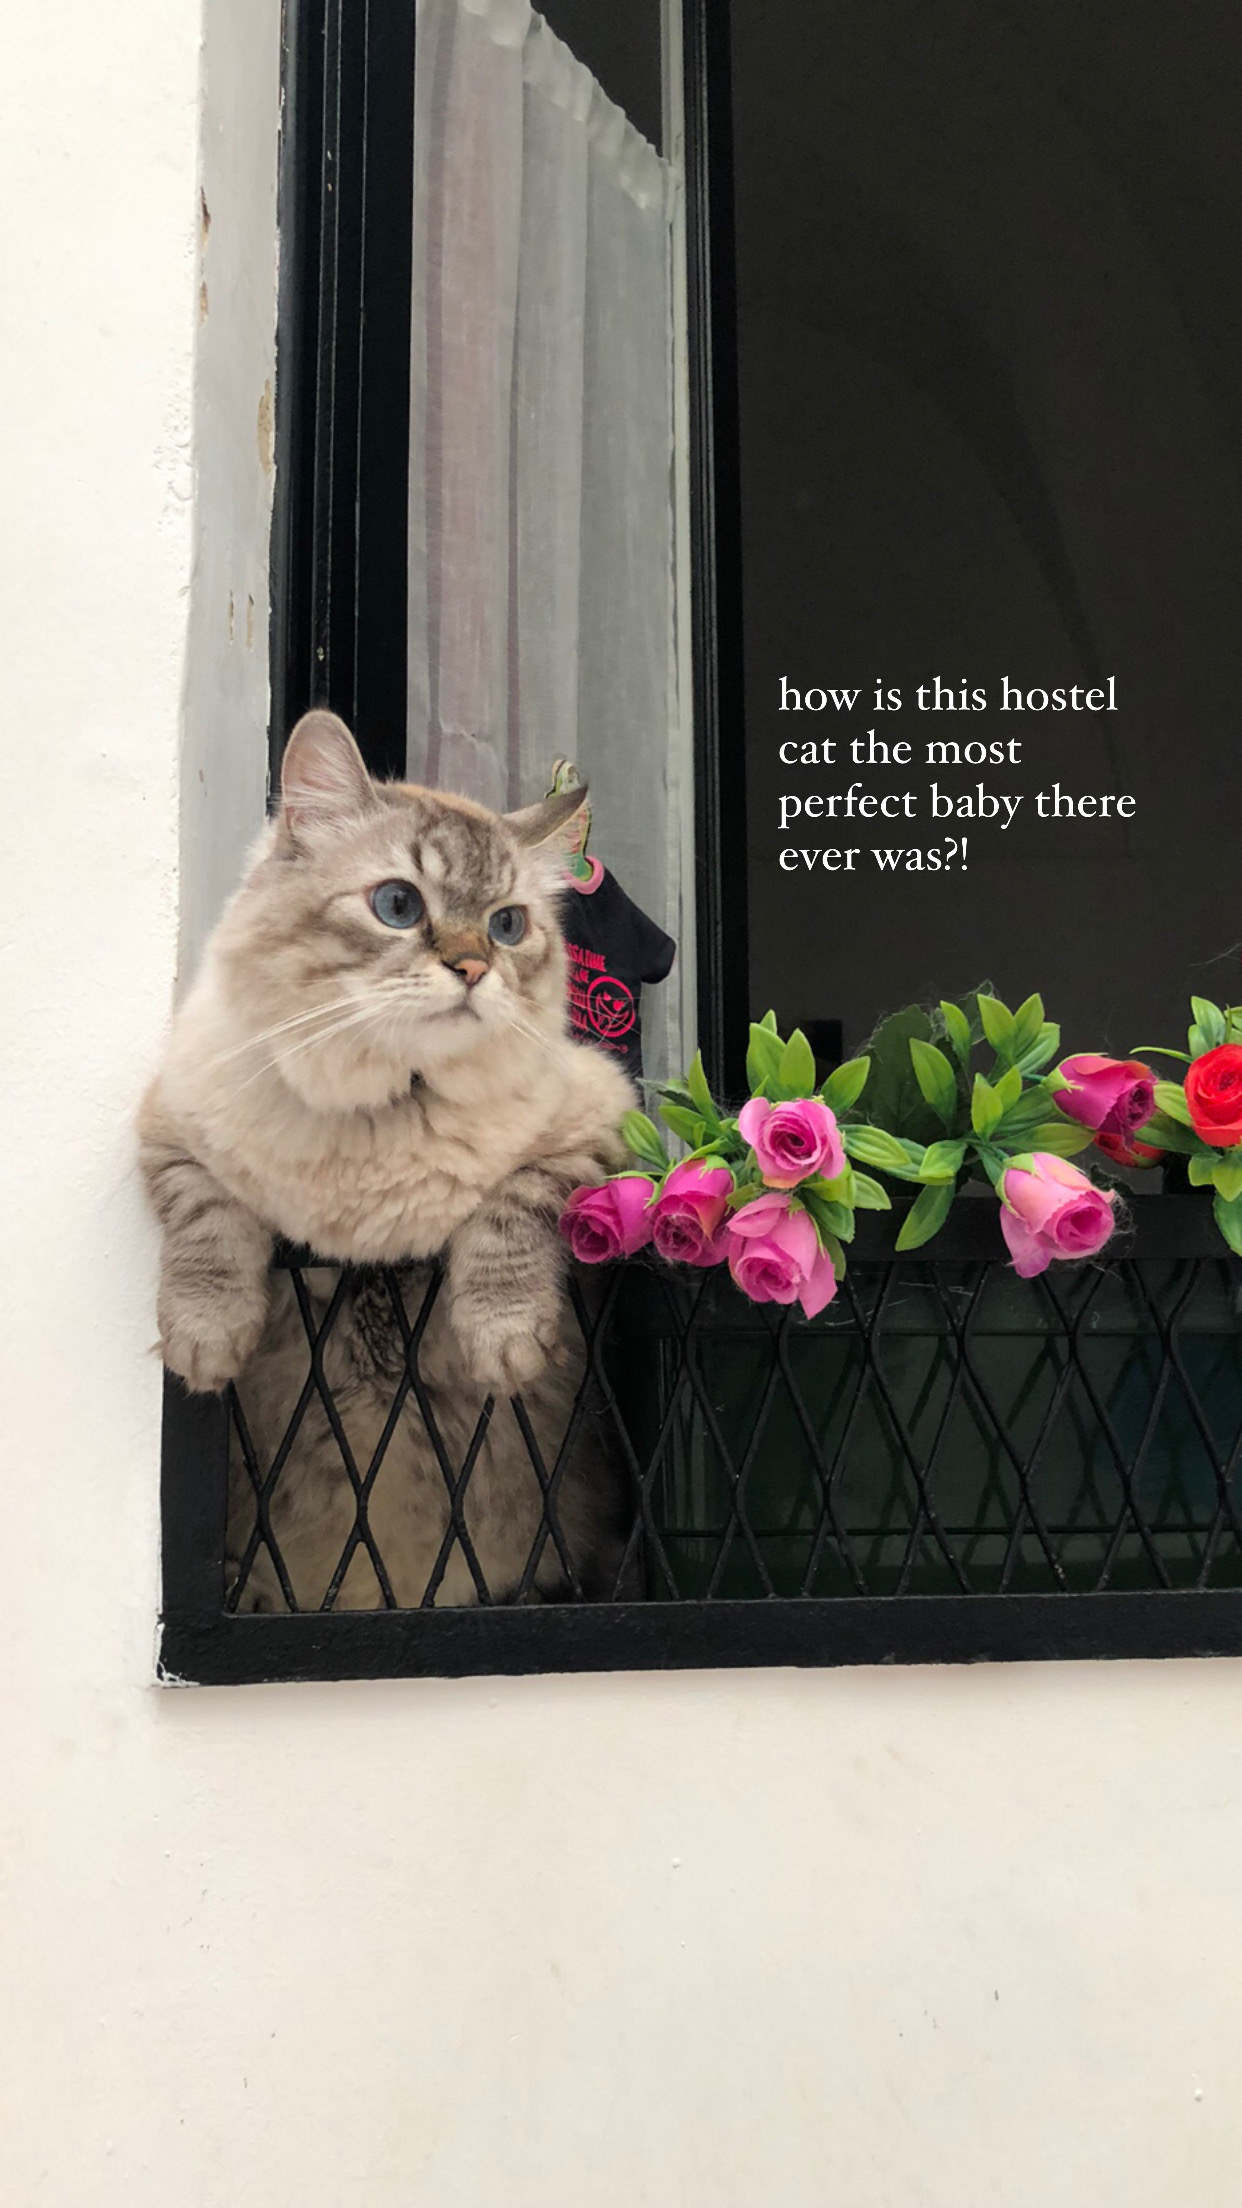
{"x":395,"y":929}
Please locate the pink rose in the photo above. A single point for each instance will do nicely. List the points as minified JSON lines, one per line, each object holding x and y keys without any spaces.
{"x":792,"y":1141}
{"x":1049,"y":1209}
{"x":1111,"y":1096}
{"x":687,"y":1214}
{"x":612,"y":1221}
{"x":775,"y":1257}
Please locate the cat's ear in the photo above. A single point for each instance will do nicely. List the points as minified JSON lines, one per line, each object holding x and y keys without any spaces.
{"x":536,"y":823}
{"x":323,"y":777}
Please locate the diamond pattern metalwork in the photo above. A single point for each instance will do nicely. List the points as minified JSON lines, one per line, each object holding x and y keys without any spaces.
{"x":942,"y":1428}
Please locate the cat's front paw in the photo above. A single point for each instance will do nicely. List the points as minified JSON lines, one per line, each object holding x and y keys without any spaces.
{"x":505,"y":1350}
{"x":207,"y":1339}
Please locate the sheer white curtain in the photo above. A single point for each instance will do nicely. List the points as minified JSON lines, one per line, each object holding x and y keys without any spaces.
{"x":542,"y":617}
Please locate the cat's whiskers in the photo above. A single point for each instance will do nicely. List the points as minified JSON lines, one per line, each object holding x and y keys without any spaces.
{"x":394,"y":985}
{"x":357,"y":1018}
{"x":513,"y":1019}
{"x":284,"y":1027}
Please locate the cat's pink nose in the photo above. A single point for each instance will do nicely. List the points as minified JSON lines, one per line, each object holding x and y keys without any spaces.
{"x":470,"y":969}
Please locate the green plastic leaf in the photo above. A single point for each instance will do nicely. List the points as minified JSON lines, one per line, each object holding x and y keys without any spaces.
{"x":687,"y":1126}
{"x":993,"y":1160}
{"x":1227,"y":1177}
{"x":986,"y":1108}
{"x":942,"y":1161}
{"x":1035,"y":1104}
{"x":700,"y":1094}
{"x":1027,"y":1023}
{"x":1009,"y":1088}
{"x":643,"y":1138}
{"x":894,"y":1098}
{"x":845,"y":1086}
{"x":875,"y":1146}
{"x":1045,"y":1046}
{"x":1157,"y":1050}
{"x":1171,"y":1099}
{"x":744,"y":1192}
{"x":769,"y":1022}
{"x":998,"y":1025}
{"x":763,"y":1057}
{"x":1228,"y":1216}
{"x":911,"y":1169}
{"x":1062,"y":1138}
{"x":1168,"y":1134}
{"x":795,"y":1074}
{"x":868,"y":1194}
{"x":936,"y":1079}
{"x":1201,"y":1172}
{"x":957,"y":1028}
{"x":926,"y":1216}
{"x":640,"y":1136}
{"x":1210,"y":1021}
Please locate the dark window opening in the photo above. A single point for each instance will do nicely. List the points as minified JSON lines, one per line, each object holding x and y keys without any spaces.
{"x":990,"y":342}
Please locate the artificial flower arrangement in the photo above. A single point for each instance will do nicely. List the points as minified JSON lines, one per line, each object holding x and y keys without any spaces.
{"x":772,"y":1190}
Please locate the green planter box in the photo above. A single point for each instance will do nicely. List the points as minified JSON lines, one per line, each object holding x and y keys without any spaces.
{"x":943,"y":1427}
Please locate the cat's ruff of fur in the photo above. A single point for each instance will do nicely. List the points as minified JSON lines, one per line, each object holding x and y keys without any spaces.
{"x":378,"y":1094}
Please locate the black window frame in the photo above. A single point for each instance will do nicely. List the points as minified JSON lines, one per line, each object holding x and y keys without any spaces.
{"x":338,"y":637}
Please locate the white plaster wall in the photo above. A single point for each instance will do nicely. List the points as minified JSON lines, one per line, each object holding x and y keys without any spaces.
{"x":874,"y":1940}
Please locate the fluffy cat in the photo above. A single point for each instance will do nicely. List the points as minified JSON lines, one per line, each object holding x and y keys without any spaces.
{"x":374,"y":1061}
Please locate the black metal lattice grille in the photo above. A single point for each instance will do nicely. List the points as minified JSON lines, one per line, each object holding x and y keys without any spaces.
{"x":942,"y":1429}
{"x":947,"y":1462}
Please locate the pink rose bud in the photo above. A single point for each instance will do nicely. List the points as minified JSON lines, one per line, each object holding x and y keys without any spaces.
{"x":794,"y":1141}
{"x":611,"y":1221}
{"x":775,"y":1257}
{"x":1049,"y":1209}
{"x":688,"y":1214}
{"x":1111,"y":1096}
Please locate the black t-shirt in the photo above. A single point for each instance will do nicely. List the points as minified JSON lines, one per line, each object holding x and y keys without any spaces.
{"x":613,"y":949}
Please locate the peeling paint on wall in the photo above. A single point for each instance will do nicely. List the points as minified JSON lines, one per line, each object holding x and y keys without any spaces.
{"x":266,"y":430}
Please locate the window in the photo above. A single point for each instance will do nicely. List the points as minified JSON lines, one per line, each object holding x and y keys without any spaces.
{"x":948,"y":1463}
{"x":992,"y":270}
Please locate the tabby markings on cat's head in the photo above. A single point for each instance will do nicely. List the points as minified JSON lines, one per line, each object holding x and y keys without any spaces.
{"x":391,"y":928}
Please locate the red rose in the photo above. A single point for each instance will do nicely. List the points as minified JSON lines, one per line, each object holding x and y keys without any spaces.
{"x":1214,"y":1095}
{"x":1124,"y":1150}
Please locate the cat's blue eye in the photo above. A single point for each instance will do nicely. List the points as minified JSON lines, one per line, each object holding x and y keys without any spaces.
{"x":508,"y":925}
{"x":397,"y":904}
